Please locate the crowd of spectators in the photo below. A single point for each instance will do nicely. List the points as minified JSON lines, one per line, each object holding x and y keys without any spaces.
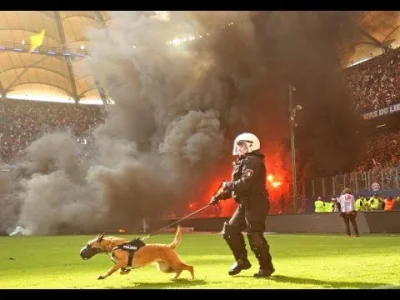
{"x":380,"y":158}
{"x":380,"y":150}
{"x":375,"y":83}
{"x":21,"y":122}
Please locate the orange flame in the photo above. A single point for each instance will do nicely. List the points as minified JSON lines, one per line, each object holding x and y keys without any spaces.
{"x":121,"y":230}
{"x":270,"y":178}
{"x":275,"y":184}
{"x":273,"y":181}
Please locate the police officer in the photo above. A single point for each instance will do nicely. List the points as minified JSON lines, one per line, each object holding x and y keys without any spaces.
{"x":248,"y":188}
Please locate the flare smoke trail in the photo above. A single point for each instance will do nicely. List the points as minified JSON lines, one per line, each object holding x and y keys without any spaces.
{"x":177,"y":108}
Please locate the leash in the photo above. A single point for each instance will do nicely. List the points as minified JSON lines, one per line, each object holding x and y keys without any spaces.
{"x":180,"y":220}
{"x":217,"y":192}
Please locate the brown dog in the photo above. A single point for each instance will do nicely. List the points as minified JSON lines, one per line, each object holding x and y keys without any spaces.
{"x":165,"y":256}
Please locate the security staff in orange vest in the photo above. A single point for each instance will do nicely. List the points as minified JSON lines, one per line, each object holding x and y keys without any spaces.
{"x":389,"y":203}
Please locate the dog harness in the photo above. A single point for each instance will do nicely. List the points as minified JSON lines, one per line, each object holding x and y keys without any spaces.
{"x":131,"y":248}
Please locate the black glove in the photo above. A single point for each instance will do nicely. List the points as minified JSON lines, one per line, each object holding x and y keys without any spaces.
{"x":214,"y":200}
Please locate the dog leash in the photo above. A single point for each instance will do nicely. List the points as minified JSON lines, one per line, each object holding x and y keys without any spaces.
{"x":180,"y":220}
{"x":217,"y":192}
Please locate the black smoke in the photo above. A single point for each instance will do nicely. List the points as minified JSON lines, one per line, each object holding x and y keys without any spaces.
{"x":178,"y":107}
{"x":303,"y":51}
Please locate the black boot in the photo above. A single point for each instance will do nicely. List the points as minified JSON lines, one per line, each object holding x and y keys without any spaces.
{"x":264,"y":272}
{"x":260,"y":247}
{"x":239,"y":266}
{"x":235,"y":241}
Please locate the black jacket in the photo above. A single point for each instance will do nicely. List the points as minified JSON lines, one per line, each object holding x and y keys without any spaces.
{"x":248,"y":183}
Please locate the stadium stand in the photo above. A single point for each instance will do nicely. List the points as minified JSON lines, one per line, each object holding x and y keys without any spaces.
{"x":382,"y":149}
{"x":55,"y":72}
{"x":21,"y":122}
{"x":375,"y":84}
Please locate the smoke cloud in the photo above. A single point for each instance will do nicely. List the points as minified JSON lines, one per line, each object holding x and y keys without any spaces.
{"x":304,"y":50}
{"x":177,"y":109}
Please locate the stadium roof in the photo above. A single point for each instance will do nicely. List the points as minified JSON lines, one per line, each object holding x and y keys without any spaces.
{"x":380,"y":29}
{"x":56,"y":72}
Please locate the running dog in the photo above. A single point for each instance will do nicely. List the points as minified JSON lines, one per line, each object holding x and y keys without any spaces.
{"x":135,"y":254}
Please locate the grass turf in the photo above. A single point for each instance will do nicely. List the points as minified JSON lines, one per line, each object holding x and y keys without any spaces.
{"x":301,"y":261}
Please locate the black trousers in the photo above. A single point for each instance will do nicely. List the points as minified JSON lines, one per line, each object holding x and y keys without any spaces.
{"x":254,"y":220}
{"x":350,"y":218}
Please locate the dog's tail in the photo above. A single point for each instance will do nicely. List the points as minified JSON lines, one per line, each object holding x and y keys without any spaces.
{"x":178,"y":238}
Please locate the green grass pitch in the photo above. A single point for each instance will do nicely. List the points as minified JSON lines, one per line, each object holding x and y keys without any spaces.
{"x":301,"y":261}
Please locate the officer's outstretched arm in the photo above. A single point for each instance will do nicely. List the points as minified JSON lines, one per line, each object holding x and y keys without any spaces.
{"x":222,"y":194}
{"x":250,"y":171}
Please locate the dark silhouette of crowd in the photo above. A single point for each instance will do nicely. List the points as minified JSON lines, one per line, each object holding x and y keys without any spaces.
{"x":21,"y":122}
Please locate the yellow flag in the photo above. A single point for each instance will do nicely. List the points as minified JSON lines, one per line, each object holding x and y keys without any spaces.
{"x":37,"y":40}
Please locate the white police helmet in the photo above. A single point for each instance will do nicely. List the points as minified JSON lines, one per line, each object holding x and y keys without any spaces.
{"x":252,"y":143}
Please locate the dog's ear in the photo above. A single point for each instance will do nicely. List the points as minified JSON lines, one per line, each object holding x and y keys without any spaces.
{"x":100,"y":237}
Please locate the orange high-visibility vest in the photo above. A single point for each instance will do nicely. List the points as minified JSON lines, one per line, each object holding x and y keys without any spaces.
{"x":389,"y":204}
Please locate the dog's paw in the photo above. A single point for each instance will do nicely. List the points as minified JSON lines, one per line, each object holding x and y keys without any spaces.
{"x":124,"y":272}
{"x":100,"y":277}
